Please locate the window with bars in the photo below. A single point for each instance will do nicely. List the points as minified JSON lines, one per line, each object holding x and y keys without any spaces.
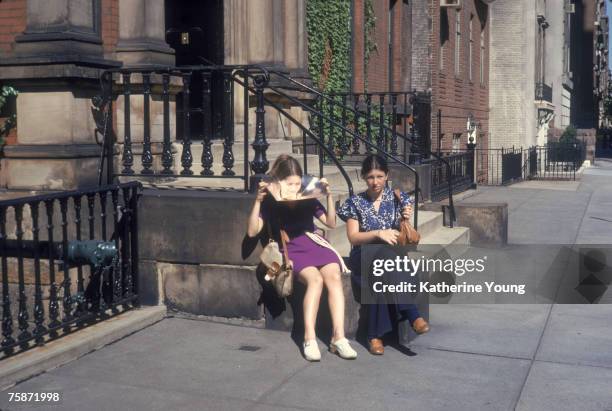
{"x":444,"y":31}
{"x":471,"y":48}
{"x":482,"y":55}
{"x":458,"y":43}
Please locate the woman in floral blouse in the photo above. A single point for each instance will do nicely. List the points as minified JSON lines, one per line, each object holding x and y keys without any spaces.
{"x":373,"y":217}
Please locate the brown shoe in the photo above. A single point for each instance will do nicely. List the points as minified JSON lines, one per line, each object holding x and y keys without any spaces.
{"x":376,"y":346}
{"x":420,"y":326}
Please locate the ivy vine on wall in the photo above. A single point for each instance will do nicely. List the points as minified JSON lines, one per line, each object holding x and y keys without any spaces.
{"x":6,"y":93}
{"x":329,"y":28}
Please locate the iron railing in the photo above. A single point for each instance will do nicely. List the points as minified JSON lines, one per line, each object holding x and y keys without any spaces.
{"x":67,"y":259}
{"x":164,"y":83}
{"x":461,"y":174}
{"x":556,"y":161}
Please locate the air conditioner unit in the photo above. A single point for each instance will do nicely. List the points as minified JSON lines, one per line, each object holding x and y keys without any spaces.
{"x":450,"y":3}
{"x":570,"y":9}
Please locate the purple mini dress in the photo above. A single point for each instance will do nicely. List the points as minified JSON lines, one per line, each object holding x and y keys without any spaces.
{"x":296,"y":220}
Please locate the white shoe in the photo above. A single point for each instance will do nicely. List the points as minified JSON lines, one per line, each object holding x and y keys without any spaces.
{"x":311,"y":350}
{"x":343,"y":349}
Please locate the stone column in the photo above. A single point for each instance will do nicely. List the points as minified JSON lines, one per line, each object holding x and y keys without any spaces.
{"x":142,"y":33}
{"x":295,"y":50}
{"x":57,"y":29}
{"x":55,"y":67}
{"x":260,"y":32}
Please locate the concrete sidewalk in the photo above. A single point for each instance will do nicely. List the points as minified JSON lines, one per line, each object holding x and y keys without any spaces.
{"x":476,"y":357}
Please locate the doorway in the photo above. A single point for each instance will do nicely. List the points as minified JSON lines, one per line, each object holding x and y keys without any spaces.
{"x":195,"y":30}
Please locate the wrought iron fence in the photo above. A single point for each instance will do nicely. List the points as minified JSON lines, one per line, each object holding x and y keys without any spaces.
{"x":461,"y":174}
{"x":556,"y":161}
{"x":67,"y":259}
{"x":169,"y":89}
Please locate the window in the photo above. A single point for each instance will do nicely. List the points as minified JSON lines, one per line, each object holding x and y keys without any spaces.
{"x":443,"y":36}
{"x":456,"y":142}
{"x":458,"y":43}
{"x":471,"y":48}
{"x":482,"y":55}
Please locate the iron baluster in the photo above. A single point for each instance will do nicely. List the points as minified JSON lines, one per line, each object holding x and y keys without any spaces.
{"x":128,"y":157}
{"x":207,"y":155}
{"x":186,"y":157}
{"x":228,"y":140}
{"x":7,"y":318}
{"x":368,"y":122}
{"x":134,"y":285}
{"x":53,"y":304}
{"x":355,"y":138}
{"x":22,"y":316}
{"x":380,"y":141}
{"x":125,"y":244}
{"x":116,"y":236}
{"x":80,"y":309}
{"x":259,"y":165}
{"x":67,"y":299}
{"x":39,"y":311}
{"x":167,"y":145}
{"x":344,"y":143}
{"x":147,"y":156}
{"x":394,"y":122}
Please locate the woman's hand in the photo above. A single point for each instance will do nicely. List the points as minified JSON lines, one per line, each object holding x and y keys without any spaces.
{"x":289,"y":264}
{"x":407,"y":212}
{"x":389,"y":236}
{"x":325,"y":185}
{"x":262,"y":191}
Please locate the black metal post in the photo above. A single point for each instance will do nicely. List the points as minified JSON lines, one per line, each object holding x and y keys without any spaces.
{"x":167,"y":145}
{"x":228,"y":122}
{"x":186,"y":157}
{"x":260,"y":164}
{"x":147,"y":155}
{"x":128,"y":158}
{"x":207,"y":155}
{"x":7,"y":318}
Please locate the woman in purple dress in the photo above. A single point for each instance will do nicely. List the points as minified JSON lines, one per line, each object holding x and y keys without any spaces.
{"x":314,"y":264}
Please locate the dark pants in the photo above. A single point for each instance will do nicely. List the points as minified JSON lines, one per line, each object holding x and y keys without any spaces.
{"x":382,"y":318}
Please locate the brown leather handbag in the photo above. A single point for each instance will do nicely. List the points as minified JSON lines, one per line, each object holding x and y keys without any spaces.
{"x":279,"y":273}
{"x":408,"y":234}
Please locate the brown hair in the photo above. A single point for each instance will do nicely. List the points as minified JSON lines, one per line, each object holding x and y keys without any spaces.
{"x":373,"y":162}
{"x":285,"y":166}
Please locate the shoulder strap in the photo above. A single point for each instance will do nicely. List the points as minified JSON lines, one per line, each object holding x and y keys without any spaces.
{"x":398,"y":195}
{"x":284,"y":240}
{"x":398,"y":199}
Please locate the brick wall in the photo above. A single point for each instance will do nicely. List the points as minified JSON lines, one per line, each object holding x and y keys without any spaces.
{"x":110,"y":24}
{"x":454,"y":94}
{"x":380,"y":59}
{"x":12,"y":23}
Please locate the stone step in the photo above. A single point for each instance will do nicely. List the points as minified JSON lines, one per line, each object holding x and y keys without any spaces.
{"x":448,"y":236}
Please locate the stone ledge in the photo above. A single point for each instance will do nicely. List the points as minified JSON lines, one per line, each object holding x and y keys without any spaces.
{"x":70,"y":347}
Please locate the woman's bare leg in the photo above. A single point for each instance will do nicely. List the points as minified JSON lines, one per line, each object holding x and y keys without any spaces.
{"x":333,"y":281}
{"x":311,"y":277}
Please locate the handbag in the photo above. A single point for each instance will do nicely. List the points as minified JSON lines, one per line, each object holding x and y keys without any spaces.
{"x":408,"y":234}
{"x":278,"y":272}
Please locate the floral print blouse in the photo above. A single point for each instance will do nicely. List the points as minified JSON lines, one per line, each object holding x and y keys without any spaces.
{"x":361,"y":208}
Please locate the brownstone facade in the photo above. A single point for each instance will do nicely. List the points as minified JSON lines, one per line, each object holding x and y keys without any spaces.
{"x":460,"y":72}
